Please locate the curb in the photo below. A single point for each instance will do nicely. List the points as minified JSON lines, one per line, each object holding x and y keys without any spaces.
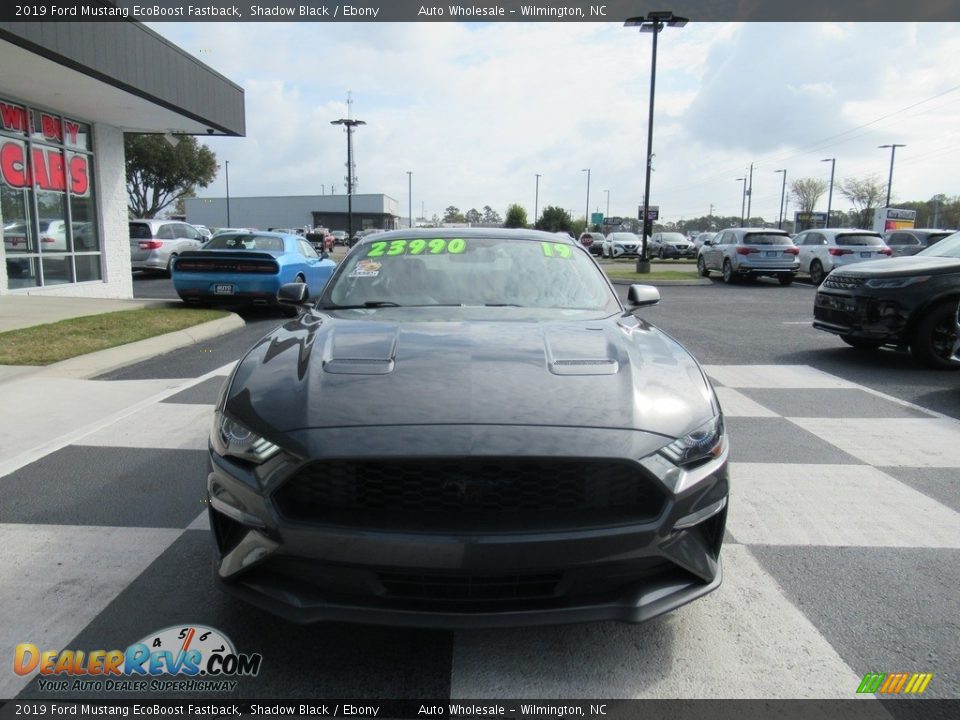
{"x":96,"y":363}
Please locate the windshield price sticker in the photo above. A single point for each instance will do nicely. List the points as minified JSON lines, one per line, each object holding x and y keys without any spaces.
{"x":436,"y":246}
{"x":556,"y":250}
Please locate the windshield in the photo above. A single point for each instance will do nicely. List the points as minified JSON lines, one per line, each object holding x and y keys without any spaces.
{"x":471,"y":272}
{"x":674,"y":237}
{"x":859,"y":239}
{"x":948,"y":247}
{"x":623,"y":237}
{"x":766,"y":239}
{"x":244,"y":242}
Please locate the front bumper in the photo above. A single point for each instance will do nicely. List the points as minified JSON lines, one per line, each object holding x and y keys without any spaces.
{"x":309,"y":571}
{"x":878,"y":318}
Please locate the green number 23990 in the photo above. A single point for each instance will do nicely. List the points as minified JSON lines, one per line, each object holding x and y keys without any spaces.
{"x":436,"y":246}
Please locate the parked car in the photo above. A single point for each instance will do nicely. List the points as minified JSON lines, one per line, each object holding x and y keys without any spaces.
{"x":740,"y":253}
{"x":621,"y":244}
{"x":568,"y":463}
{"x":53,"y":236}
{"x":592,"y":241}
{"x":912,"y":241}
{"x":204,"y":231}
{"x":955,"y":354}
{"x":361,"y":234}
{"x":700,"y":238}
{"x":340,"y":237}
{"x":155,"y":244}
{"x":825,"y":249}
{"x":238,"y":268}
{"x":671,"y":245}
{"x":904,"y":302}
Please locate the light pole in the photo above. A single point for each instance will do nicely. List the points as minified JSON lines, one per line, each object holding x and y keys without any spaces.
{"x":893,"y":151}
{"x":323,"y":189}
{"x":743,"y":198}
{"x":783,"y":192}
{"x":410,"y":197}
{"x":833,"y":166}
{"x":607,"y":214}
{"x":226,"y":170}
{"x":750,"y":192}
{"x":652,"y":22}
{"x":586,"y":217}
{"x":536,"y":200}
{"x":350,"y":124}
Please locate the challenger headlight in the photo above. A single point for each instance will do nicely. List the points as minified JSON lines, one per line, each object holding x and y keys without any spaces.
{"x":704,"y":443}
{"x":893,"y":283}
{"x":236,"y":440}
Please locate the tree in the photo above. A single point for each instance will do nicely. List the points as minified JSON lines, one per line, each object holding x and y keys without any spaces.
{"x":180,"y":206}
{"x":453,"y":215}
{"x":491,"y":216}
{"x":160,"y":172}
{"x":473,"y":216}
{"x":554,"y":219}
{"x":807,"y":191}
{"x":516,"y":217}
{"x":865,"y":194}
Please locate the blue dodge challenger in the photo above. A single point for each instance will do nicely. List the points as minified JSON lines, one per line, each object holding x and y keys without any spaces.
{"x":249,"y":267}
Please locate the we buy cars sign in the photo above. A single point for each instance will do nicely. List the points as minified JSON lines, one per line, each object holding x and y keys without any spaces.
{"x":47,"y":168}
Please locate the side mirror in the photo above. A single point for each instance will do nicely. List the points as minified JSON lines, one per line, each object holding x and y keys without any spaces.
{"x":707,"y":242}
{"x":641,"y":296}
{"x":293,"y":293}
{"x":324,"y":255}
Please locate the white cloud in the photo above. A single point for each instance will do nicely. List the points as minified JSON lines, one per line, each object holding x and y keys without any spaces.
{"x":475,"y":110}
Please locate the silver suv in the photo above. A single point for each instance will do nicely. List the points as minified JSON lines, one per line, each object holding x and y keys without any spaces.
{"x":750,"y":252}
{"x":154,"y":244}
{"x":823,"y":250}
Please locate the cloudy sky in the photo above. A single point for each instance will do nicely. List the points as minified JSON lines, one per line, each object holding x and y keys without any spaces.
{"x":474,"y":111}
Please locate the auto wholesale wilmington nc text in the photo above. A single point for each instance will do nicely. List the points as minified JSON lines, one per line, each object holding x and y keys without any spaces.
{"x":479,"y":11}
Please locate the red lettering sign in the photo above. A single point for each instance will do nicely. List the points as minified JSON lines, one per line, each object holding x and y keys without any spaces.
{"x":72,"y":129}
{"x":12,"y":165}
{"x":79,"y":178}
{"x":51,"y":127}
{"x":49,"y":169}
{"x":14,"y":118}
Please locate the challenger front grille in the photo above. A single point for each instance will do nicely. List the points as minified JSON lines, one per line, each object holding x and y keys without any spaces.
{"x":843,"y":282}
{"x":473,"y":494}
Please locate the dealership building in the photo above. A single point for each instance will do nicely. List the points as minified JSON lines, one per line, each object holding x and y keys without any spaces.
{"x":379,"y":212}
{"x":68,"y":93}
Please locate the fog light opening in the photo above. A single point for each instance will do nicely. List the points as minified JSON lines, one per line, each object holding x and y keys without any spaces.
{"x":699,"y":516}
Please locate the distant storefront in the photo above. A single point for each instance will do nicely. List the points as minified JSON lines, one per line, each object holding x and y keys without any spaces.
{"x":369,"y":211}
{"x":68,"y":93}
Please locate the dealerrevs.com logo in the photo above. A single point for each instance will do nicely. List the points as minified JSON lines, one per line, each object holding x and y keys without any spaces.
{"x":176,"y":659}
{"x":902,"y":683}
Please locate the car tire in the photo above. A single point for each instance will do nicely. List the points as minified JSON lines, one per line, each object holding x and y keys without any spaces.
{"x":169,"y":270}
{"x":934,"y":336}
{"x":702,"y":267}
{"x":785,"y":279}
{"x":817,"y":274}
{"x":728,"y":277}
{"x":660,"y":253}
{"x":861,"y":343}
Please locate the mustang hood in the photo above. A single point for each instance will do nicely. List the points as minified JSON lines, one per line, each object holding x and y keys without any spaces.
{"x":322,"y":371}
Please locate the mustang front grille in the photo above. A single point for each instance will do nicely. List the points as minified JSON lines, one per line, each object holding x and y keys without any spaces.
{"x":469,"y":587}
{"x":473,"y":494}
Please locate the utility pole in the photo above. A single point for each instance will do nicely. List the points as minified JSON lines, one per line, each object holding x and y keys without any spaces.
{"x":536,"y":199}
{"x":750,"y":193}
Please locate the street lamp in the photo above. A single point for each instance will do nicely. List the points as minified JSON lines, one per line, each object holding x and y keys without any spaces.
{"x":586,"y":217}
{"x":607,"y":214}
{"x":833,"y":166}
{"x":350,"y":125}
{"x":410,"y":197}
{"x":652,"y":22}
{"x":226,"y":169}
{"x":893,"y":151}
{"x":783,"y":192}
{"x":743,"y":197}
{"x":536,"y":200}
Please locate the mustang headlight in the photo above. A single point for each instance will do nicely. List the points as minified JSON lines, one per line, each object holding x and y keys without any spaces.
{"x":231,"y":438}
{"x":893,"y":283}
{"x":704,"y":443}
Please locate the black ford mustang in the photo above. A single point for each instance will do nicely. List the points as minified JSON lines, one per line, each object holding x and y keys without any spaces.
{"x":467,"y":429}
